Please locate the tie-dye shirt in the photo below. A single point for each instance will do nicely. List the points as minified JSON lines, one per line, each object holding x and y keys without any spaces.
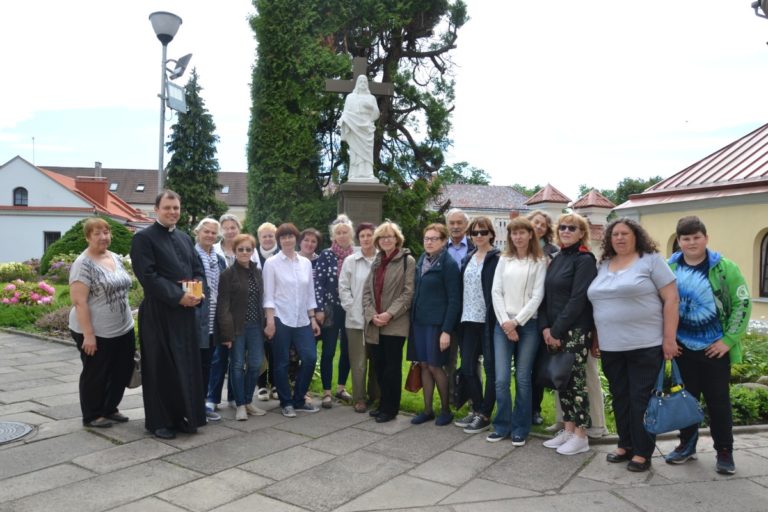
{"x":699,"y":324}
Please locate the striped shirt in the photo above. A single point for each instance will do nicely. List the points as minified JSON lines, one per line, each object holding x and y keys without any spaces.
{"x":212,"y":272}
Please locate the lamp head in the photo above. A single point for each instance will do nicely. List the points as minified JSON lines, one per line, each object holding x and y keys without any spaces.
{"x":165,"y":25}
{"x":180,"y":67}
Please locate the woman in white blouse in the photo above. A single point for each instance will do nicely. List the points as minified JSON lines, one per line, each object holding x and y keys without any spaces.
{"x":518,"y":288}
{"x":289,"y":305}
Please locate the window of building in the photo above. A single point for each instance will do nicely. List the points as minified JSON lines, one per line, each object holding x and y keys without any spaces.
{"x":140,"y":187}
{"x":49,"y":237}
{"x":225,"y":189}
{"x":20,"y":197}
{"x":112,"y":187}
{"x":764,"y":266}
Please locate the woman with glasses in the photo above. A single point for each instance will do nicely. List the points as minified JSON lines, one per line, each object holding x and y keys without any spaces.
{"x":477,"y":322}
{"x":518,"y":288}
{"x":387,"y":298}
{"x":436,"y":308}
{"x":289,"y":304}
{"x":565,"y":321}
{"x":241,"y":322}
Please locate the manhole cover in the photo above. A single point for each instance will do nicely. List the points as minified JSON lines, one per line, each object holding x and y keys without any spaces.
{"x":12,"y":430}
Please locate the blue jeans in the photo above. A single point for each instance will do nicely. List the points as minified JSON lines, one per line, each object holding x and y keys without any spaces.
{"x":219,"y":365}
{"x":517,"y":421}
{"x":248,"y":346}
{"x":329,"y":335}
{"x":304,"y":342}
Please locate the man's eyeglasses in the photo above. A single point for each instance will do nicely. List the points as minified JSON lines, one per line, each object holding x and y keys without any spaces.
{"x":245,"y":249}
{"x":567,"y":227}
{"x":480,"y":232}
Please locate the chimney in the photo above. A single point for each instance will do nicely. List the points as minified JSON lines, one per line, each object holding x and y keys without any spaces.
{"x":93,"y":187}
{"x":98,"y":169}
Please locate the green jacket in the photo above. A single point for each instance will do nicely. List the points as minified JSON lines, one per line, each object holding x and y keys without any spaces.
{"x":732,"y":299}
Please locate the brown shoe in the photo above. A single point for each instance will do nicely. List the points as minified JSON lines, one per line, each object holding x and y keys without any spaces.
{"x":360,"y":406}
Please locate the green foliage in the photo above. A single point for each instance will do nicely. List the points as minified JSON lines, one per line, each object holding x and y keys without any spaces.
{"x":754,"y":362}
{"x":293,"y":134}
{"x":193,"y":169}
{"x":749,"y":406}
{"x":58,"y":272}
{"x":527,"y":191}
{"x":13,"y":271}
{"x":55,"y":322}
{"x":404,"y":205}
{"x":73,"y":242}
{"x":20,"y":317}
{"x":624,"y":188}
{"x":461,"y":173}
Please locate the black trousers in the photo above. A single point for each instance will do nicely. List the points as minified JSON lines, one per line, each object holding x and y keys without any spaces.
{"x":631,"y":376}
{"x":205,"y":365}
{"x":105,"y":374}
{"x":709,"y":376}
{"x":476,"y":342}
{"x":388,"y":358}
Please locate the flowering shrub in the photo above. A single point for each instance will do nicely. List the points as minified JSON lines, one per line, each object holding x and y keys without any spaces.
{"x":28,"y":294}
{"x":58,"y":272}
{"x":11,"y":271}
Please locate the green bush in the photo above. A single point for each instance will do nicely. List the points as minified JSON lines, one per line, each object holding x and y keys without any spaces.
{"x":750,"y":406}
{"x":12,"y":271}
{"x":754,"y":362}
{"x":21,"y":316}
{"x":73,"y":241}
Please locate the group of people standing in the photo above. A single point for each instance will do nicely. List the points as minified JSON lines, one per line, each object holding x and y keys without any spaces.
{"x":267,"y":305}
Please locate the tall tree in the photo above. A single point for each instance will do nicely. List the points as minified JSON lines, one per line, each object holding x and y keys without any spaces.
{"x":461,"y":173}
{"x":193,"y":170}
{"x":527,"y":191}
{"x":293,"y":136}
{"x":624,"y":188}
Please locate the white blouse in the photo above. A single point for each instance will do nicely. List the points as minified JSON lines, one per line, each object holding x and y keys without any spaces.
{"x":518,"y":288}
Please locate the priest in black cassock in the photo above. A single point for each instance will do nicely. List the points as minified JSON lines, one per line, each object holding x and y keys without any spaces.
{"x":162,"y":258}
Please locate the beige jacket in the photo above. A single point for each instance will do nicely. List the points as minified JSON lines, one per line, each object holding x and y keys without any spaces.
{"x":396,"y":296}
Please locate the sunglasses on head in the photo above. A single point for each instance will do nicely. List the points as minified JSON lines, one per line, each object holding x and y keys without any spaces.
{"x":567,"y":227}
{"x":480,"y":232}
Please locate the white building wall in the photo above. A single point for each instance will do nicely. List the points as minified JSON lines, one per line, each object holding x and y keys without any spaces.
{"x":41,"y":190}
{"x":25,"y":233}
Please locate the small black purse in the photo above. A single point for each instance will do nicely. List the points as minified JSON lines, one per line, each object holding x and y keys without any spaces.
{"x":554,"y":369}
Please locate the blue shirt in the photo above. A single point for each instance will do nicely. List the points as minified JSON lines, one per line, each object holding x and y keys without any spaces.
{"x":458,"y":252}
{"x":699,"y":325}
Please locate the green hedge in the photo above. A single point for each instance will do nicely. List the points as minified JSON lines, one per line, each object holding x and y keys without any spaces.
{"x":73,"y":241}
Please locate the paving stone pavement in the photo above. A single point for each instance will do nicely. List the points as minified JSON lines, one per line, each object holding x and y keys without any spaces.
{"x":335,"y":460}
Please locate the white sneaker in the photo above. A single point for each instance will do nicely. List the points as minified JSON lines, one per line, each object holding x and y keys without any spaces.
{"x":574,"y":445}
{"x":232,"y":404}
{"x":212,"y":406}
{"x":252,"y":410}
{"x":241,"y":414}
{"x":262,"y":394}
{"x":560,"y":439}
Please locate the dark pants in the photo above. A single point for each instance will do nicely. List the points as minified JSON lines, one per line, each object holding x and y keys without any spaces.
{"x":267,"y":379}
{"x":304,"y":341}
{"x":709,"y":376}
{"x":631,"y":377}
{"x":105,"y":374}
{"x":538,"y":391}
{"x":475,"y":341}
{"x":218,"y":370}
{"x":328,"y":337}
{"x":388,"y":358}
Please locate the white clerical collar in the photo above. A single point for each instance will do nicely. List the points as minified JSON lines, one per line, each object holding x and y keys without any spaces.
{"x":170,"y":229}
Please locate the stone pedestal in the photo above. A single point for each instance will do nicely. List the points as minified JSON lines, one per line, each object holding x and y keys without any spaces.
{"x":362,"y":201}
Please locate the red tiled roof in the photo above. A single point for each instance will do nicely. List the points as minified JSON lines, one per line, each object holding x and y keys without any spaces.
{"x":484,"y":197}
{"x":740,"y":168}
{"x":593,"y":198}
{"x":114,"y":207}
{"x":548,"y":194}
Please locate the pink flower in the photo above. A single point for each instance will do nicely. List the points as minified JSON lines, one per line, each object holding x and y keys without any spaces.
{"x":46,"y":287}
{"x":45,"y":300}
{"x":34,"y":296}
{"x":10,"y":287}
{"x":6,"y":301}
{"x":14,"y":299}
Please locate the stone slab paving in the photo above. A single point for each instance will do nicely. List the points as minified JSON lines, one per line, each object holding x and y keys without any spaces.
{"x":335,"y":460}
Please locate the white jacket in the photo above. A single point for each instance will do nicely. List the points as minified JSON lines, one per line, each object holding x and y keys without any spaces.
{"x":354,"y":272}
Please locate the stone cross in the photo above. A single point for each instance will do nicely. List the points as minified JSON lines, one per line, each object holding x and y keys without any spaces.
{"x":359,"y":67}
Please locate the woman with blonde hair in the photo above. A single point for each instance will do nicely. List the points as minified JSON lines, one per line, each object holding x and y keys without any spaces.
{"x":565,"y":321}
{"x":518,"y":288}
{"x":387,"y":298}
{"x":330,"y":315}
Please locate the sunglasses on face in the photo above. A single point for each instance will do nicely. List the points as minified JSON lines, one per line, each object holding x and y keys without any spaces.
{"x":567,"y":227}
{"x":245,"y":249}
{"x":480,"y":232}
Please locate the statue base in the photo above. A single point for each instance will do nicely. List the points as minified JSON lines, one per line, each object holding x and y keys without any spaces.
{"x":362,"y":200}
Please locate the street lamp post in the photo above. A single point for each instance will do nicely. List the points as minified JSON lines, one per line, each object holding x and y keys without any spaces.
{"x":165,"y":25}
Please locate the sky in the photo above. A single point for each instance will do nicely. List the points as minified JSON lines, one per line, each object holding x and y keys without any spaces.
{"x":560,"y":93}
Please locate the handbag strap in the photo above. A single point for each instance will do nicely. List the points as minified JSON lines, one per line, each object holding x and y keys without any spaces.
{"x":676,"y":378}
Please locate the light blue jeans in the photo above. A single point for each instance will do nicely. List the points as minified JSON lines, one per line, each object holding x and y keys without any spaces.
{"x":508,"y":421}
{"x":250,"y":345}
